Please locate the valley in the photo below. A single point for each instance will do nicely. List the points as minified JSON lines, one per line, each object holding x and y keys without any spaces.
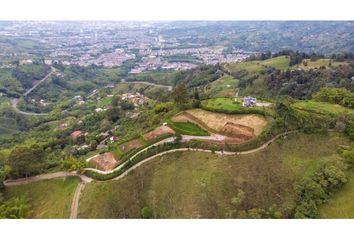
{"x":153,"y":125}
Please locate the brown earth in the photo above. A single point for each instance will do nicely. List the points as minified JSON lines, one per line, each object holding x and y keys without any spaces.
{"x":217,"y":122}
{"x":158,"y":132}
{"x":237,"y":131}
{"x":105,"y":162}
{"x":237,"y":128}
{"x":136,"y":143}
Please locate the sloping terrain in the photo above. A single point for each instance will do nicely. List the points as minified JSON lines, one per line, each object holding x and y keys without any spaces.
{"x":203,"y":185}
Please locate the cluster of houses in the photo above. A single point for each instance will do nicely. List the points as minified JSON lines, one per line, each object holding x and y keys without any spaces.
{"x":137,"y":99}
{"x":104,"y":139}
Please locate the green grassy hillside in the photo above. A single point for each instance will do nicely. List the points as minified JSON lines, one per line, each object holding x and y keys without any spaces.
{"x":322,"y":108}
{"x":224,"y":86}
{"x":49,"y":198}
{"x":281,"y":62}
{"x":202,"y":185}
{"x":341,"y":205}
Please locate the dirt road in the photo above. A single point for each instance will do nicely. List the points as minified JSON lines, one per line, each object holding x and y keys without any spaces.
{"x":169,"y":88}
{"x":263,"y":146}
{"x":15,"y":101}
{"x":76,"y":200}
{"x":22,"y":181}
{"x":85,"y":179}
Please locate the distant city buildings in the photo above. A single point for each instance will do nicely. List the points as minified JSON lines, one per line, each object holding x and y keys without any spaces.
{"x":111,"y":44}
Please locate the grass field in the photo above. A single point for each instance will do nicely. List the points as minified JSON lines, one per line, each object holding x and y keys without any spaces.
{"x":317,"y":64}
{"x":202,"y":185}
{"x":341,"y":205}
{"x":227,"y":104}
{"x":250,"y":67}
{"x":188,"y":128}
{"x":322,"y":107}
{"x":8,"y":127}
{"x":281,"y":62}
{"x":49,"y":198}
{"x":224,"y":86}
{"x":222,"y":103}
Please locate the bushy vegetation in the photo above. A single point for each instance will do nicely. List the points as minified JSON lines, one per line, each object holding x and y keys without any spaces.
{"x":47,"y":198}
{"x":339,"y":96}
{"x":73,"y":164}
{"x":17,"y":207}
{"x":316,"y":190}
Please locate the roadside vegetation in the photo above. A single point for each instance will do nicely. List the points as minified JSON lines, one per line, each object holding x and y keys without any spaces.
{"x":47,"y":198}
{"x":205,"y":185}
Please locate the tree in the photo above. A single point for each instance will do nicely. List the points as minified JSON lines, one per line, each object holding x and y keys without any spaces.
{"x":196,"y":94}
{"x":4,"y":171}
{"x":73,"y":164}
{"x":113,"y":114}
{"x":115,"y":101}
{"x":340,"y":96}
{"x":348,"y":155}
{"x":146,"y":212}
{"x":93,"y":145}
{"x":25,"y":161}
{"x":16,"y":208}
{"x":180,"y":95}
{"x":126,"y":105}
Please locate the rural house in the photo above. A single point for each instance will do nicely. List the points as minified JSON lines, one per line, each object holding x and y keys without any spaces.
{"x":249,"y":101}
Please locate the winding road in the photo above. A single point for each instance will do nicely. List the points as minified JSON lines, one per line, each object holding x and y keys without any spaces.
{"x":169,"y":88}
{"x":84,"y":179}
{"x":15,"y":101}
{"x":75,"y":201}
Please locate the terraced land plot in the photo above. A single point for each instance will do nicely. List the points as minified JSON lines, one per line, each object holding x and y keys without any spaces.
{"x":223,"y":123}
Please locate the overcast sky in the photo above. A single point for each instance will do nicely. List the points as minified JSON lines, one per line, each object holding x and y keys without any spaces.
{"x":176,"y":10}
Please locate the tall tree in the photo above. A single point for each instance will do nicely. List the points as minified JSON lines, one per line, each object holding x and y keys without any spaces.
{"x":180,"y":94}
{"x":26,"y":160}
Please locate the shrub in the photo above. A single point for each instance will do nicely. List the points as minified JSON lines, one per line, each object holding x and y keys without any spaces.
{"x":314,"y":191}
{"x":146,"y":212}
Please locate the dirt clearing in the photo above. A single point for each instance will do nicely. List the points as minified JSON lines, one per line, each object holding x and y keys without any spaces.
{"x":105,"y":162}
{"x":240,"y":126}
{"x":136,"y":143}
{"x":158,"y":132}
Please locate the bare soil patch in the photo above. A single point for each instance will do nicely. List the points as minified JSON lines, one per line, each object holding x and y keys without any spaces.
{"x":237,"y":131}
{"x":220,"y":122}
{"x":105,"y":162}
{"x":136,"y":143}
{"x":158,"y":132}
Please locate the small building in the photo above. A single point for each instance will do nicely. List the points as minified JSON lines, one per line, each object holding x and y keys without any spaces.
{"x":76,"y":134}
{"x":249,"y":101}
{"x":113,"y":139}
{"x":99,"y":110}
{"x":78,"y":98}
